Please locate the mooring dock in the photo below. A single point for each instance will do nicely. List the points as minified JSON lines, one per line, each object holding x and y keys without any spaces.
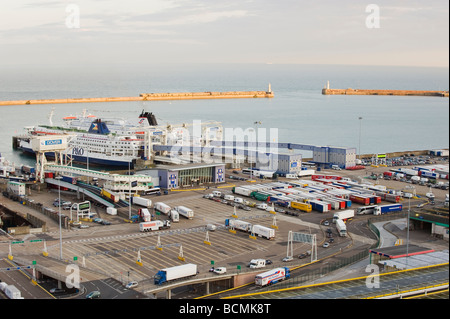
{"x":151,"y":97}
{"x":327,"y":91}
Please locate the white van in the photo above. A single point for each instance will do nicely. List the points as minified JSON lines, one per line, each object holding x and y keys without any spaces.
{"x":238,"y":200}
{"x":336,"y":167}
{"x":229,"y":197}
{"x":262,"y":206}
{"x":216,"y":194}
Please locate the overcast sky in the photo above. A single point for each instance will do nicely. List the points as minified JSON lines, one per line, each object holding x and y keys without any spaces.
{"x":411,"y":32}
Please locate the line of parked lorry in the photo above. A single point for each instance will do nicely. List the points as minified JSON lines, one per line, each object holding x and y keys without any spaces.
{"x":147,"y":224}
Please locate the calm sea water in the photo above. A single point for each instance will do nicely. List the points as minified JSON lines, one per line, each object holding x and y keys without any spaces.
{"x":299,"y":111}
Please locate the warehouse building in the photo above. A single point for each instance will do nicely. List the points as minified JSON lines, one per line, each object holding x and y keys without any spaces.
{"x":282,"y":164}
{"x":173,"y":177}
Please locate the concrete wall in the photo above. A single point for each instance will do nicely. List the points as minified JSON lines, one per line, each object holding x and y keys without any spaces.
{"x":384,"y":92}
{"x":149,"y":97}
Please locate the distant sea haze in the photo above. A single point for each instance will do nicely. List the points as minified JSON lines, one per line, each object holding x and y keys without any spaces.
{"x":299,"y":110}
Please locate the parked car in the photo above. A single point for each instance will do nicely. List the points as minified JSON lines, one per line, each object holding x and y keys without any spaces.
{"x":301,"y":256}
{"x":93,"y":295}
{"x":326,"y":245}
{"x":268,"y":262}
{"x":57,"y":291}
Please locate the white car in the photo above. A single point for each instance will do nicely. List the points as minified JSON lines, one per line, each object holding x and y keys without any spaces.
{"x":288,"y":259}
{"x":220,"y":270}
{"x":131,"y":284}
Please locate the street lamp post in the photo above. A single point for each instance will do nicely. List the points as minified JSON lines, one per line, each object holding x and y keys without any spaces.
{"x":59,"y":213}
{"x":407,"y":225}
{"x":360,"y":128}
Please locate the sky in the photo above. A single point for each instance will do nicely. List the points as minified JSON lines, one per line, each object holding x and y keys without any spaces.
{"x":395,"y":32}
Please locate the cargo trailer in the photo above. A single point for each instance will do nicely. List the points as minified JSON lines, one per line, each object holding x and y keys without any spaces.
{"x":384,"y":209}
{"x":185,"y":212}
{"x":162,"y":208}
{"x":178,"y":272}
{"x":304,"y":207}
{"x":144,"y":202}
{"x":343,"y":215}
{"x":238,"y":224}
{"x":320,"y":206}
{"x":265,"y":232}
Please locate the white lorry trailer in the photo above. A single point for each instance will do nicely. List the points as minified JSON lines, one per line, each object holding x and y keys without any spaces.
{"x":343,"y":215}
{"x":144,"y":202}
{"x":162,"y":208}
{"x":173,"y":273}
{"x":272,"y":276}
{"x":144,"y":215}
{"x":12,"y":292}
{"x":185,"y":212}
{"x":265,"y":232}
{"x":341,"y":228}
{"x":238,"y":224}
{"x":174,"y":216}
{"x":154,"y":225}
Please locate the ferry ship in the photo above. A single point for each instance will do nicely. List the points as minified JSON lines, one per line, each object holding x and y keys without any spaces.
{"x":112,"y":142}
{"x":97,"y":145}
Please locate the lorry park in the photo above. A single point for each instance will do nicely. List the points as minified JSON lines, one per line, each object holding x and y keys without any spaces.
{"x":225,"y":226}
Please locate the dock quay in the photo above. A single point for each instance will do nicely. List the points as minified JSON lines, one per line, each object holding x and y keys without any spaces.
{"x":151,"y":97}
{"x":350,"y":91}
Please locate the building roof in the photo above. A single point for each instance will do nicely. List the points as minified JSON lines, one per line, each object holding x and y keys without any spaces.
{"x":400,"y":251}
{"x":423,"y":260}
{"x":186,"y":166}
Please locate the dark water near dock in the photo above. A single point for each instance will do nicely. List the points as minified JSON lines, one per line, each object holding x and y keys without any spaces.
{"x":299,"y":110}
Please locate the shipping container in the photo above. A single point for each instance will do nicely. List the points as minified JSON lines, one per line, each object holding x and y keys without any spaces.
{"x":360,"y":200}
{"x":319,"y":206}
{"x":302,"y":206}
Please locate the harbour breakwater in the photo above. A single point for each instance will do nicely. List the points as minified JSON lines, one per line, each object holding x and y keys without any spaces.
{"x":150,"y":97}
{"x":327,"y":91}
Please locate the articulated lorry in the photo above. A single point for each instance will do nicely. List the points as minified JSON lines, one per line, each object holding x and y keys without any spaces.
{"x":154,"y":225}
{"x":343,"y":215}
{"x":341,"y":228}
{"x":384,"y":209}
{"x":272,"y":276}
{"x":174,"y":273}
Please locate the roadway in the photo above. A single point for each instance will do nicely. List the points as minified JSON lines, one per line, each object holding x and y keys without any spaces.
{"x":357,"y":288}
{"x":111,"y":251}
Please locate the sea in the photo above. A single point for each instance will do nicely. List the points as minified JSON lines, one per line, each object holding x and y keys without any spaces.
{"x":299,"y":112}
